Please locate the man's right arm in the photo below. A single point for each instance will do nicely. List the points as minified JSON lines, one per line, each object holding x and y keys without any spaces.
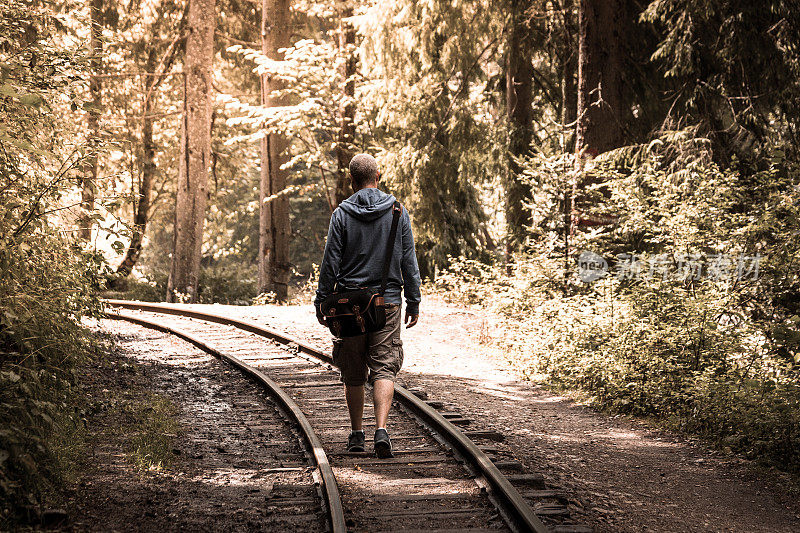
{"x":331,"y":259}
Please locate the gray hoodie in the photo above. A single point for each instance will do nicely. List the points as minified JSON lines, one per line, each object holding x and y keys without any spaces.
{"x":357,"y":238}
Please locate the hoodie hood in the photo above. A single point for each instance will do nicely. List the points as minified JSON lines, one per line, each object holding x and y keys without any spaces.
{"x":368,"y":204}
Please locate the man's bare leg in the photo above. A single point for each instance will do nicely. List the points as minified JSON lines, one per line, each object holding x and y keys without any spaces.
{"x":355,"y":405}
{"x":382,"y":394}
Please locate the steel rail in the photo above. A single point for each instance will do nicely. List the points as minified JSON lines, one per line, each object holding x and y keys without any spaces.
{"x":511,"y":501}
{"x":327,"y":479}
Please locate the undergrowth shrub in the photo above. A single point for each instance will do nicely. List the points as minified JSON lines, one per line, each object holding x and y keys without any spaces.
{"x":715,"y":357}
{"x":153,"y":426}
{"x":45,"y":288}
{"x":144,"y":289}
{"x":225,"y":283}
{"x":657,"y":353}
{"x":228,"y":283}
{"x":47,"y":281}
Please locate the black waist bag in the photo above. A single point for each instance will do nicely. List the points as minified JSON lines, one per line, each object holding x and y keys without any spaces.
{"x":353,"y":312}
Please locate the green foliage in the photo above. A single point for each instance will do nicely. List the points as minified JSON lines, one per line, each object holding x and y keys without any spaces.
{"x":228,"y":283}
{"x":653,"y":352}
{"x":435,"y":124}
{"x":47,"y":282}
{"x":733,"y":67}
{"x":143,"y":289}
{"x":122,"y":411}
{"x":712,"y":354}
{"x":429,"y":121}
{"x":154,"y":426}
{"x":309,"y":71}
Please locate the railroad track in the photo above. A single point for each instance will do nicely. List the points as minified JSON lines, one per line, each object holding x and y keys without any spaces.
{"x":439,"y":480}
{"x":314,"y":451}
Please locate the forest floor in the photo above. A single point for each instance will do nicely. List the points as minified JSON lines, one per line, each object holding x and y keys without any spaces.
{"x":630,"y":475}
{"x":176,"y":442}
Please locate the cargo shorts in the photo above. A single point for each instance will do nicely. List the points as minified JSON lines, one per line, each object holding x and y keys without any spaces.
{"x":377,"y":355}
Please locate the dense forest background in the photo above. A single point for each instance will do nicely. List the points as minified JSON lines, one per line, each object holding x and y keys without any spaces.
{"x":617,"y":178}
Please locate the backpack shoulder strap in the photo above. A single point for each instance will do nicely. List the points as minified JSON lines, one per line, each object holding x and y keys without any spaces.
{"x":397,"y":209}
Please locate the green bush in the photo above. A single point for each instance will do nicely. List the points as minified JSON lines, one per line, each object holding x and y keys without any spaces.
{"x":45,"y":288}
{"x":719,"y":358}
{"x":145,"y":290}
{"x":657,"y":352}
{"x":150,"y":287}
{"x":47,"y":281}
{"x":154,"y":427}
{"x":228,"y":283}
{"x":223,"y":282}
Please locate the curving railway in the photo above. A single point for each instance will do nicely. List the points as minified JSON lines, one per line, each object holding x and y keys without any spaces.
{"x":441,"y":479}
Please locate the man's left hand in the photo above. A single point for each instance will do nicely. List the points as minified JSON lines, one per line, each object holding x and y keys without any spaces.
{"x":411,"y":320}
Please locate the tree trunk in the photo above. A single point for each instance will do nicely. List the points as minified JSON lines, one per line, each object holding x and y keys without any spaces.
{"x":273,"y":257}
{"x":148,"y":170}
{"x":602,"y":112}
{"x":569,"y":71}
{"x":89,"y":179}
{"x":601,"y":103}
{"x":519,"y":81}
{"x":569,"y":105}
{"x":347,"y":111}
{"x":190,"y":205}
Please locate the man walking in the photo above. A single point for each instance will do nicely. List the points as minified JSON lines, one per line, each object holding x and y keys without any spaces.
{"x":354,"y":254}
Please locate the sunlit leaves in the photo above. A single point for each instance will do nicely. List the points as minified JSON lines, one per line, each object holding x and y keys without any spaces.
{"x":310,"y":70}
{"x":47,"y":283}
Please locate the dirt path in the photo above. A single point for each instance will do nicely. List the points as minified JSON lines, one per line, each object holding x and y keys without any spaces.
{"x":232,"y":463}
{"x":629,"y":476}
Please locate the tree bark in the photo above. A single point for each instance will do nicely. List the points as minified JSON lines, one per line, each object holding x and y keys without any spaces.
{"x":190,"y":205}
{"x":148,"y":170}
{"x":601,"y":110}
{"x":89,"y":179}
{"x":569,"y":110}
{"x":569,"y":72}
{"x":141,"y":213}
{"x":519,"y":82}
{"x":602,"y":105}
{"x":273,"y":257}
{"x":347,"y":111}
{"x":601,"y":99}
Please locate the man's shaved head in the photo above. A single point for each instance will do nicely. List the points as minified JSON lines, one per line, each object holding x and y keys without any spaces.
{"x":363,"y":170}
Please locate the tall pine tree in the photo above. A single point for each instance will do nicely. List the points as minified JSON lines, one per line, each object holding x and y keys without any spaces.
{"x":192,"y":190}
{"x":273,"y":256}
{"x":519,"y":82}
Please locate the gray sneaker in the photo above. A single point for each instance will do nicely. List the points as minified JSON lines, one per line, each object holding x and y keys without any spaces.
{"x":356,"y":441}
{"x":383,"y":445}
